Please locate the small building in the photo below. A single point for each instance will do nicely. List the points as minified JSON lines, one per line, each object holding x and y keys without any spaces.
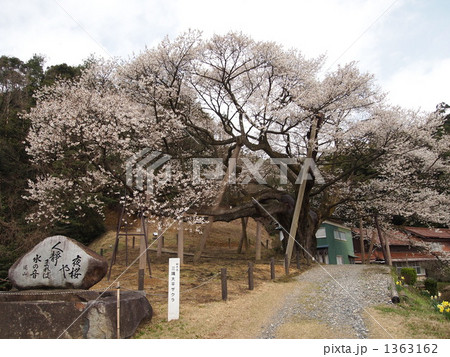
{"x":435,"y":240}
{"x":334,"y":244}
{"x":409,"y":246}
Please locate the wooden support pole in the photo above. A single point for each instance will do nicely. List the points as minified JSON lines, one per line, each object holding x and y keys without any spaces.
{"x":388,"y":249}
{"x":361,"y":242}
{"x":118,"y":310}
{"x":116,"y":244}
{"x":144,"y":231}
{"x":258,"y":241}
{"x":113,"y":258}
{"x":272,"y":268}
{"x":286,"y":264}
{"x":231,"y":168}
{"x":384,"y":242}
{"x":160,"y":243}
{"x":244,"y":239}
{"x":159,"y":247}
{"x":181,"y":241}
{"x":223,"y":278}
{"x":142,"y":254}
{"x":133,"y":240}
{"x":126,"y":249}
{"x":301,"y":191}
{"x":251,"y":284}
{"x":372,"y":240}
{"x":203,"y":239}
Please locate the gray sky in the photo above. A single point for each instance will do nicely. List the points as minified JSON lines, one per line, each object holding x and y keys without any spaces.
{"x":405,"y":43}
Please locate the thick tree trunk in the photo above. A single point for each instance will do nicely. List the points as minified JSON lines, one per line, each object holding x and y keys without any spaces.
{"x":271,"y":207}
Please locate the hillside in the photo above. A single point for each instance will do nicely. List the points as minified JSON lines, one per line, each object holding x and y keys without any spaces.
{"x":200,"y":283}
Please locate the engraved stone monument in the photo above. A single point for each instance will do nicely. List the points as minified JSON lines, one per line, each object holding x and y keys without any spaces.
{"x":73,"y":311}
{"x":58,"y":262}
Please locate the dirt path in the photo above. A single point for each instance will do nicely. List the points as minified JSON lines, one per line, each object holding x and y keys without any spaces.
{"x":331,"y":302}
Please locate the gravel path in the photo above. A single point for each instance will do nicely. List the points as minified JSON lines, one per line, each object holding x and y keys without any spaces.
{"x":337,"y":300}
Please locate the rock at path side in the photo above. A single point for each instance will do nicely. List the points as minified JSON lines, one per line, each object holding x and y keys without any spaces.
{"x":58,"y":262}
{"x":71,"y":314}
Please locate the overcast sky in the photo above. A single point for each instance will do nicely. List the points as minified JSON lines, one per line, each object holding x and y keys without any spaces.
{"x":405,"y":43}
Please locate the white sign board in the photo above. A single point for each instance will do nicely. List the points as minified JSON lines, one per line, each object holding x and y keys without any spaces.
{"x":174,"y":289}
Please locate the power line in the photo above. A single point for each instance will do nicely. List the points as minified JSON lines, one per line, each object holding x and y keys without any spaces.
{"x":364,"y":32}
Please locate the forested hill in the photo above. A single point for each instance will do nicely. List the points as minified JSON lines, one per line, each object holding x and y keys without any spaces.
{"x":19,"y":81}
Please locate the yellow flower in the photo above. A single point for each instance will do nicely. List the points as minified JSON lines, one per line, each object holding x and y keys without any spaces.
{"x":403,"y":278}
{"x":445,"y":303}
{"x":447,"y":309}
{"x":441,"y":308}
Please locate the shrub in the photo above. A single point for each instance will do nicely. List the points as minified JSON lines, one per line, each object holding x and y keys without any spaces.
{"x":410,"y":275}
{"x":431,"y":286}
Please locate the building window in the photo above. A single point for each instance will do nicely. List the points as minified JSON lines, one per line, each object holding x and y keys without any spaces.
{"x":321,"y":233}
{"x":340,"y":235}
{"x":415,"y":265}
{"x":339,"y":260}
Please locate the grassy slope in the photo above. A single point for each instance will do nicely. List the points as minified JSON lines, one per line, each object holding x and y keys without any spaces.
{"x":414,"y":317}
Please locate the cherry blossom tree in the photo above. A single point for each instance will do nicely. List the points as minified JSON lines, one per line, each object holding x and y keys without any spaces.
{"x":82,"y":134}
{"x":192,"y":97}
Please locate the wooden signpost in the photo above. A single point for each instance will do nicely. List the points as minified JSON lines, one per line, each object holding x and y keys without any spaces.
{"x":173,"y":310}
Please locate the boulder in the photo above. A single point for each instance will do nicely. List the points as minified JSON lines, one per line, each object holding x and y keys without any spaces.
{"x":58,"y":262}
{"x":71,"y":314}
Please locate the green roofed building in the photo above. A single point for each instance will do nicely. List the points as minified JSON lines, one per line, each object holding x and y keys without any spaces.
{"x":334,"y":244}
